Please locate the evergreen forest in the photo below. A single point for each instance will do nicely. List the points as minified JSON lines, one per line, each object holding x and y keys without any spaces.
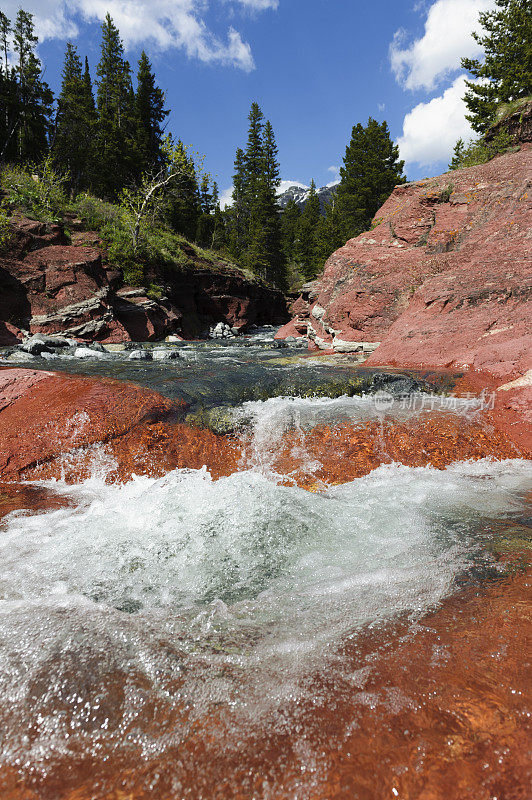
{"x":101,"y":148}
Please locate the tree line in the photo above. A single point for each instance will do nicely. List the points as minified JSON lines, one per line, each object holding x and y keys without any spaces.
{"x":106,"y":136}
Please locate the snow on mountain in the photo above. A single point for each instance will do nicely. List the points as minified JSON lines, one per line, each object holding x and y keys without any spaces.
{"x":300,"y":193}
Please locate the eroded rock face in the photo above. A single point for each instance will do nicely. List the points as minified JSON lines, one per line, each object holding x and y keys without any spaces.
{"x":442,"y":280}
{"x":49,"y":286}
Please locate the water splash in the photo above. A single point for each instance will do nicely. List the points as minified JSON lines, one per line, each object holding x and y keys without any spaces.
{"x":193,"y":594}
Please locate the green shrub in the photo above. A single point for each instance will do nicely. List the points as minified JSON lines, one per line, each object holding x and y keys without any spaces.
{"x":36,"y":188}
{"x":155,"y":292}
{"x":478,"y":151}
{"x":5,"y":229}
{"x":95,"y":213}
{"x":446,"y":193}
{"x":133,"y":273}
{"x":20,"y":187}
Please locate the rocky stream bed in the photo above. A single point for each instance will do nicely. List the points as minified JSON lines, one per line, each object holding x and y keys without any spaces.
{"x":234,"y":569}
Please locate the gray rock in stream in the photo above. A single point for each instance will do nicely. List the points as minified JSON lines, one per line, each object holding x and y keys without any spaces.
{"x":165,"y":354}
{"x":20,"y":355}
{"x":88,"y":352}
{"x":140,"y":355}
{"x":39,"y":343}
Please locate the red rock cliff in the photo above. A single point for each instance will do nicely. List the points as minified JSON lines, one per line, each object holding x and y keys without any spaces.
{"x":51,"y":285}
{"x":442,"y":280}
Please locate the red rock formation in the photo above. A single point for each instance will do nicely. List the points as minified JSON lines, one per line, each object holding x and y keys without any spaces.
{"x":51,"y":421}
{"x":443,"y":280}
{"x":50,"y":286}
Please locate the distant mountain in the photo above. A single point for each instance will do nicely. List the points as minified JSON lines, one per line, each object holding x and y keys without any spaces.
{"x":300,"y":196}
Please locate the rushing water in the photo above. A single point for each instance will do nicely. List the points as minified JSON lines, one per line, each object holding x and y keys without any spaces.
{"x":139,"y":611}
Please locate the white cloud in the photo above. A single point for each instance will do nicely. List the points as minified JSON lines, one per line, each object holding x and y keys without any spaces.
{"x":226,"y":197}
{"x":431,"y":129}
{"x":334,"y":170}
{"x":165,"y":23}
{"x":258,"y":5}
{"x":447,"y":38}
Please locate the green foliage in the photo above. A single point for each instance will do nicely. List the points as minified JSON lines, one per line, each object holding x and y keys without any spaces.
{"x":446,"y":193}
{"x":505,"y":73}
{"x":94,"y":212}
{"x":75,"y":123}
{"x":478,"y":151}
{"x":5,"y":229}
{"x":183,"y":206}
{"x":117,"y":147}
{"x":458,"y":155}
{"x":151,"y":114}
{"x":37,"y":188}
{"x":307,"y":254}
{"x":26,"y":100}
{"x":155,"y":292}
{"x":253,"y":223}
{"x":371,"y":170}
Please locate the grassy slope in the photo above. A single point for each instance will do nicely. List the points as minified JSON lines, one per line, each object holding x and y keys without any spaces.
{"x":162,"y":250}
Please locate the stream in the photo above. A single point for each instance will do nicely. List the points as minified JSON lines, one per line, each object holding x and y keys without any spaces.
{"x":185,"y":637}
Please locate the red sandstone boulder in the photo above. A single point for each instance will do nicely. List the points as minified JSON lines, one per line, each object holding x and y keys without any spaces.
{"x":442,"y":280}
{"x":9,"y":334}
{"x":57,"y":425}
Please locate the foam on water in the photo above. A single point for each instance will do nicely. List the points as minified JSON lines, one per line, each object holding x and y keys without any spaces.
{"x":267,"y":421}
{"x":197,"y":592}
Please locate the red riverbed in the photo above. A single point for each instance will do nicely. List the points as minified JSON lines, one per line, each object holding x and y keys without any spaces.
{"x":441,"y":714}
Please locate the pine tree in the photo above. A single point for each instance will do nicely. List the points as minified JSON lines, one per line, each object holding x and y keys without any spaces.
{"x":253,"y":222}
{"x":329,"y":233}
{"x":265,"y":229}
{"x":371,"y":170}
{"x":290,"y":218}
{"x":183,"y":201}
{"x":118,"y":151}
{"x":87,"y":84}
{"x":34,"y":97}
{"x":215,"y":196}
{"x":219,"y":234}
{"x":458,"y":155}
{"x":8,"y":95}
{"x":506,"y":71}
{"x":236,"y":216}
{"x":151,"y":113}
{"x":307,"y":254}
{"x":205,"y":196}
{"x":206,"y":219}
{"x":75,"y":122}
{"x":253,"y":162}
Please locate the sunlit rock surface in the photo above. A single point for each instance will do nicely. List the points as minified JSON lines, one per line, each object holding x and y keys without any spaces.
{"x":443,"y":278}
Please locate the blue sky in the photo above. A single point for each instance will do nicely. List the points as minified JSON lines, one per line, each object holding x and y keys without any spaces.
{"x":316,"y":67}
